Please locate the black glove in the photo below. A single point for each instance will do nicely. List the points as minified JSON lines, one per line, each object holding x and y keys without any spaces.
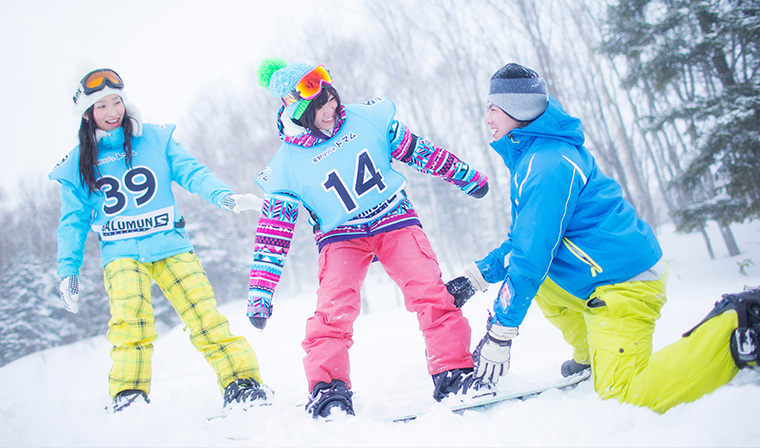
{"x":480,"y":192}
{"x":461,"y":288}
{"x":259,"y":309}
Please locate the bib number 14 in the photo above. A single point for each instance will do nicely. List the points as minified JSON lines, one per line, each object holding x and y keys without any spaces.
{"x":367,"y":178}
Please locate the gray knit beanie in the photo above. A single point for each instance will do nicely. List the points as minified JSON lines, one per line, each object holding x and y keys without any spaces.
{"x":518,"y":91}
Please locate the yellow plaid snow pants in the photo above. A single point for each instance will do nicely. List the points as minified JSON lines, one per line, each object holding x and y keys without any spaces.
{"x":616,"y":339}
{"x":131,"y":327}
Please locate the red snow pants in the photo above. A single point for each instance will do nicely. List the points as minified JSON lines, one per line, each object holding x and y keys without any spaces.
{"x":408,"y":258}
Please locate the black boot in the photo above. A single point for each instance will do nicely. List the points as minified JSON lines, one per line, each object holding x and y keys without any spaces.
{"x":326,"y":398}
{"x":246,"y":393}
{"x":745,"y":340}
{"x":456,"y":382}
{"x":570,"y":367}
{"x":126,"y":398}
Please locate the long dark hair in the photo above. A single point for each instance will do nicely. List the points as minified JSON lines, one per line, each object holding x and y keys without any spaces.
{"x":307,"y":119}
{"x":89,"y":173}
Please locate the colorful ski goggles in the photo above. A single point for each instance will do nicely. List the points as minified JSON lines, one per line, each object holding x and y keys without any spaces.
{"x":98,"y":80}
{"x":300,"y":109}
{"x":309,"y":86}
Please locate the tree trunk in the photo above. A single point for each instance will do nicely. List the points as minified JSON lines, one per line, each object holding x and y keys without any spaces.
{"x":728,"y":238}
{"x":707,"y":243}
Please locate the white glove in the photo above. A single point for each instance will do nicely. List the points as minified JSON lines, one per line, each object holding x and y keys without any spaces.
{"x":472,"y":272}
{"x":69,"y":291}
{"x":241,"y":202}
{"x":491,"y":357}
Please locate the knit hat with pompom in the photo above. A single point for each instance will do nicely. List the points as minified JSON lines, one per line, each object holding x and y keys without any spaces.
{"x":280,"y":78}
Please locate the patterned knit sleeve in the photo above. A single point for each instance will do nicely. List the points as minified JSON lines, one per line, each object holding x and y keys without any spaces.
{"x":427,"y":158}
{"x":273,"y":236}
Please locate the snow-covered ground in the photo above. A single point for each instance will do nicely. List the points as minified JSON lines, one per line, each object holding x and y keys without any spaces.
{"x":56,"y":397}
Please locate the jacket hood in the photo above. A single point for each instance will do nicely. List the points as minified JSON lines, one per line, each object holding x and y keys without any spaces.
{"x":555,"y":124}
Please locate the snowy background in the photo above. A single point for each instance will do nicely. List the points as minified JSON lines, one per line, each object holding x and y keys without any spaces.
{"x":56,"y":397}
{"x":190,"y":62}
{"x":167,"y":51}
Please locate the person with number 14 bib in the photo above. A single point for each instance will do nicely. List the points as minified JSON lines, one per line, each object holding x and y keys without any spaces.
{"x":335,"y":159}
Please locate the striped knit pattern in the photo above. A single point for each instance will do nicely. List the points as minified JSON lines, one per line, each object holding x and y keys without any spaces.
{"x":402,"y":215}
{"x":427,"y":158}
{"x":273,"y":236}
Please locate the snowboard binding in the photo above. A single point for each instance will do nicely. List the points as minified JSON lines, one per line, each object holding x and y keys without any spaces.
{"x":325,"y":398}
{"x":745,"y":340}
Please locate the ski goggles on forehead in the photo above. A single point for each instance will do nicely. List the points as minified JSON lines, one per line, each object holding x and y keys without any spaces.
{"x":309,"y":86}
{"x":99,"y":79}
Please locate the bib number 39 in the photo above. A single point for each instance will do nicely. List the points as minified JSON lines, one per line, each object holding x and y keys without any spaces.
{"x":138,"y":181}
{"x":367,"y":178}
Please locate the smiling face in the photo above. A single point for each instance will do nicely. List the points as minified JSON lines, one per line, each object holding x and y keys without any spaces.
{"x":109,"y":112}
{"x":324,"y":118}
{"x":499,"y":122}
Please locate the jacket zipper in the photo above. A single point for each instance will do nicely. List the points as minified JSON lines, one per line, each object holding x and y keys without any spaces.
{"x":583,"y":256}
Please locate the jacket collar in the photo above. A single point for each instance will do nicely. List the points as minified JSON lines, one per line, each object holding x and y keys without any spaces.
{"x":297,"y":135}
{"x":115,"y":138}
{"x":554,"y":124}
{"x":512,"y":146}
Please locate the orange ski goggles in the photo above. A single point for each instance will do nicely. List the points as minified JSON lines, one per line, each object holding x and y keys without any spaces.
{"x":309,"y":86}
{"x":98,"y":80}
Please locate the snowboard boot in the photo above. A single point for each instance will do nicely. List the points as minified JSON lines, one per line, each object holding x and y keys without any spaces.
{"x":571,"y":367}
{"x":457,"y":382}
{"x":126,"y":398}
{"x":745,"y":340}
{"x":327,"y":398}
{"x":247,"y":393}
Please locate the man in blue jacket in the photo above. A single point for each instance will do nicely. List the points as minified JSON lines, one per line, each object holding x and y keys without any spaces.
{"x":595,"y":269}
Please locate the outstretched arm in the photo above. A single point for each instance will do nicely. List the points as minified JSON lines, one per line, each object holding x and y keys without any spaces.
{"x":427,"y":158}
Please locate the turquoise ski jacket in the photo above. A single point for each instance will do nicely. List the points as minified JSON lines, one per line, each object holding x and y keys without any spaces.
{"x":134,"y":213}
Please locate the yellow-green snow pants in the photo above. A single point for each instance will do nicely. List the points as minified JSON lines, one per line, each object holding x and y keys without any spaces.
{"x":131,"y":327}
{"x":615,"y":338}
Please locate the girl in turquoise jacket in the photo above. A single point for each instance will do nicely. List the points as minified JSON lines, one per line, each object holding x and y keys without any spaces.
{"x":117,"y":183}
{"x":578,"y":249}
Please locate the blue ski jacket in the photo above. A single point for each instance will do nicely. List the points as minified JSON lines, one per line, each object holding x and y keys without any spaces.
{"x":134,"y":213}
{"x":569,"y":221}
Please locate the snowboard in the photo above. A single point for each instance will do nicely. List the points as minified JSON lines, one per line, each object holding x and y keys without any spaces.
{"x":490,"y":399}
{"x":225,"y":412}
